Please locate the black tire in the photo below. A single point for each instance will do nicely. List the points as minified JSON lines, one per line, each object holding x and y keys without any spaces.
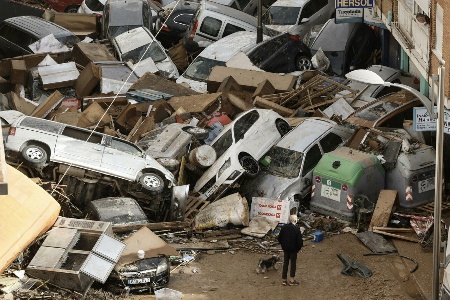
{"x":152,"y":182}
{"x":34,"y":155}
{"x":283,"y":127}
{"x":303,"y":63}
{"x":72,"y":9}
{"x":250,"y":165}
{"x":170,"y":164}
{"x":198,"y":133}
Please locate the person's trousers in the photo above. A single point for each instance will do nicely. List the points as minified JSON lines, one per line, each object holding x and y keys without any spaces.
{"x":292,"y":258}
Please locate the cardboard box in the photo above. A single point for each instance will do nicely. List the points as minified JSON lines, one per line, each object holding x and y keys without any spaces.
{"x":273,"y":209}
{"x":85,"y":53}
{"x":204,"y":103}
{"x":48,"y":105}
{"x":18,"y":71}
{"x":87,"y":81}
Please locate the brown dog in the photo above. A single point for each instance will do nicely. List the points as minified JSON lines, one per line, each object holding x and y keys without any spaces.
{"x":265,"y":264}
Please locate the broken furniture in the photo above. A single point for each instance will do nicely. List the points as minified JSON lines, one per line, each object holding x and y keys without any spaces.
{"x":75,"y":253}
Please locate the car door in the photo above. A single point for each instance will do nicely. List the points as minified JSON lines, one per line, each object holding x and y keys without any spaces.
{"x":121,"y":158}
{"x":249,"y":135}
{"x":311,"y":158}
{"x":78,"y":147}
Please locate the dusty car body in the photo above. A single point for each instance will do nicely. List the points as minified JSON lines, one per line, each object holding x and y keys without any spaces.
{"x":92,"y":7}
{"x":117,"y":210}
{"x":297,"y":16}
{"x":239,"y":147}
{"x":288,"y":175}
{"x":369,"y":93}
{"x":141,"y":48}
{"x":41,"y":141}
{"x":216,"y":54}
{"x":284,"y":53}
{"x":388,"y":111}
{"x":347,"y":46}
{"x":17,"y":33}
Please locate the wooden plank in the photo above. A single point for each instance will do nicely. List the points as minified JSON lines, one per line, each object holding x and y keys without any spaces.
{"x":383,"y":209}
{"x":283,"y":111}
{"x":392,"y":229}
{"x":152,"y":226}
{"x":406,"y":238}
{"x":201,"y":246}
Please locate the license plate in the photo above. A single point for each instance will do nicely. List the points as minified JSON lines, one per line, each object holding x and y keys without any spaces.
{"x":426,"y":185}
{"x":139,"y":280}
{"x":330,"y":193}
{"x":211,"y":190}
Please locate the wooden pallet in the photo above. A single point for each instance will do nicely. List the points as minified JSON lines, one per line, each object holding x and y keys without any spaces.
{"x":430,"y":207}
{"x":194,"y":205}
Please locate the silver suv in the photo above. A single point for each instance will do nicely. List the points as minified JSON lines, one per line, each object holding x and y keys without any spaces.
{"x":42,"y":141}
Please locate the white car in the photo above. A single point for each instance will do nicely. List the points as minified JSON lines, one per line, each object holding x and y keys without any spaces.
{"x":140,"y":47}
{"x":41,"y":141}
{"x":298,"y":16}
{"x":92,"y":7}
{"x":216,"y":54}
{"x":239,"y":147}
{"x":288,"y":175}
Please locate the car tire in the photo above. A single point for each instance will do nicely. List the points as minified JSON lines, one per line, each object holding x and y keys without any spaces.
{"x":283,"y":127}
{"x":170,"y":164}
{"x":72,"y":9}
{"x":250,"y":165}
{"x":34,"y":155}
{"x":152,"y":182}
{"x":198,"y":133}
{"x":303,"y":63}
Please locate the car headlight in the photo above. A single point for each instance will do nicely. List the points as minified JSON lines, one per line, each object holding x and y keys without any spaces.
{"x":162,"y":267}
{"x":225,"y":166}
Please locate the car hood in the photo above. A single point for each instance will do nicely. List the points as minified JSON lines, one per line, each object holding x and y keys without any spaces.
{"x":268,"y":185}
{"x":279,"y":28}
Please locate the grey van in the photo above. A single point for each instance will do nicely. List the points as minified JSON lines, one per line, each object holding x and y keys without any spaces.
{"x":41,"y":141}
{"x":17,"y":33}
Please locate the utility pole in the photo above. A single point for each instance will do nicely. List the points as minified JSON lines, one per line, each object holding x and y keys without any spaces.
{"x":259,"y":31}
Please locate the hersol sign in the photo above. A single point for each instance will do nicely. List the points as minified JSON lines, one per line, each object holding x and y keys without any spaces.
{"x":354,"y":3}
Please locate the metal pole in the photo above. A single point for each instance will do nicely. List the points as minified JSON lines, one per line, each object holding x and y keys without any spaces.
{"x":438,"y":183}
{"x":259,"y":31}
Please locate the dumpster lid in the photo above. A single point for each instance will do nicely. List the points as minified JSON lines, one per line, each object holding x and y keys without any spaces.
{"x":346,"y":165}
{"x":422,"y":157}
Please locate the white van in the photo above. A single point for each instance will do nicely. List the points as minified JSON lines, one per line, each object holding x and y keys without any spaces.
{"x":213,"y":21}
{"x":216,"y":54}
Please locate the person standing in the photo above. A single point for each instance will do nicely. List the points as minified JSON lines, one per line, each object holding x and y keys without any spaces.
{"x":291,"y":241}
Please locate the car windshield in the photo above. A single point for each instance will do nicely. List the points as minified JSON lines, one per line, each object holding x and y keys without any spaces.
{"x":94,"y":5}
{"x":377,"y":111}
{"x":201,"y":67}
{"x":281,"y":15}
{"x":141,"y":53}
{"x":223,"y":143}
{"x":117,"y":30}
{"x":265,"y":50}
{"x":284,"y":162}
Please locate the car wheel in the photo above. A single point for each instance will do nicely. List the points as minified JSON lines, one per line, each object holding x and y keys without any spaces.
{"x":170,"y":164}
{"x":303,"y":63}
{"x":283,"y":127}
{"x":72,"y":9}
{"x":250,"y":165}
{"x":198,"y":133}
{"x":153,"y":183}
{"x":34,"y":155}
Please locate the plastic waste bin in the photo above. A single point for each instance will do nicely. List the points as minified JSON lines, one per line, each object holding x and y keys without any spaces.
{"x":341,"y":177}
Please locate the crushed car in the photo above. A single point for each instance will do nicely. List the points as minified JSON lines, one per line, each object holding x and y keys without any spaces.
{"x":239,"y":147}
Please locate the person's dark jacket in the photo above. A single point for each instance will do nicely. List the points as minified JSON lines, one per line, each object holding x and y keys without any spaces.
{"x":290,"y":238}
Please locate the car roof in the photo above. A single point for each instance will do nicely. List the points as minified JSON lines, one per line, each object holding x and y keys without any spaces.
{"x":306,"y":133}
{"x":227,"y":47}
{"x":230,"y":12}
{"x":38,"y":26}
{"x":293,"y":3}
{"x":334,"y":36}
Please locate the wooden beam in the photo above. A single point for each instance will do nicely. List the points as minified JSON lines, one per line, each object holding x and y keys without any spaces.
{"x":152,"y":226}
{"x":406,"y":238}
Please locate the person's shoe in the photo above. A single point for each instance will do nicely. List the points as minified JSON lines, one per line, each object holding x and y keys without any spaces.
{"x":293,"y":282}
{"x":284,"y":282}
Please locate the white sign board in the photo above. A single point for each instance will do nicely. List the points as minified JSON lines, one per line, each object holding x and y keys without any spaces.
{"x":423,"y":122}
{"x":272,"y":209}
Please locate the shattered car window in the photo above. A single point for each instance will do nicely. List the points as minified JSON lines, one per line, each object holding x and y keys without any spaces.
{"x":42,"y":124}
{"x":154,"y":52}
{"x":265,"y":50}
{"x":281,"y":15}
{"x":125,"y":147}
{"x":201,"y":67}
{"x":284,"y":162}
{"x":223,"y":143}
{"x":243,"y":124}
{"x":377,"y":111}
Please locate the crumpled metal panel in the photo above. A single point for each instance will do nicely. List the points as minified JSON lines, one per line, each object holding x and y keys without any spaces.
{"x":108,"y":248}
{"x":62,"y":238}
{"x":97,"y":267}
